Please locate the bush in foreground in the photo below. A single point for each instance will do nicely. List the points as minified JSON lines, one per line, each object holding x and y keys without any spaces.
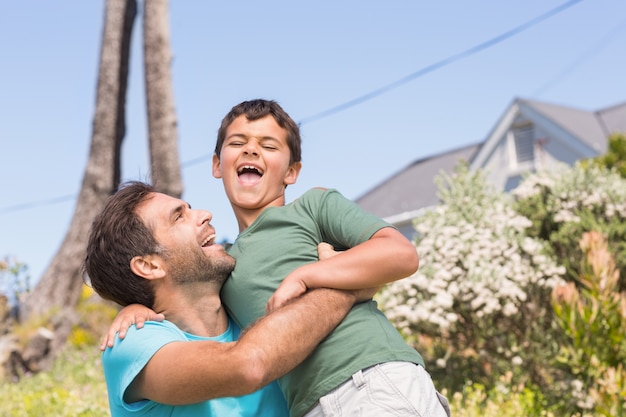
{"x":73,"y":387}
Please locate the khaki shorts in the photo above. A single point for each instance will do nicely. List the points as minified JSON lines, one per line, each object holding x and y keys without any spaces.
{"x":388,"y":389}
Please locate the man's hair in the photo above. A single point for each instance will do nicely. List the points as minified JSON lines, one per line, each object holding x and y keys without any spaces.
{"x":257,"y":109}
{"x":117,"y":235}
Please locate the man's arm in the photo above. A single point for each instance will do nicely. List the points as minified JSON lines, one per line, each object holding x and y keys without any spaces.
{"x":188,"y":372}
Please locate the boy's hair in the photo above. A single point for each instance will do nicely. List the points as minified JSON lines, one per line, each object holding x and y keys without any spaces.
{"x":117,"y":235}
{"x":257,"y":109}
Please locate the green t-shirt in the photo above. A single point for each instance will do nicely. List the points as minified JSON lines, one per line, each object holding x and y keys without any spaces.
{"x":284,"y":238}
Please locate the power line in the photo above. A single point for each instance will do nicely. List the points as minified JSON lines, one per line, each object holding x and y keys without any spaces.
{"x":197,"y":160}
{"x":593,"y":50}
{"x":356,"y":101}
{"x":70,"y":197}
{"x":447,"y":61}
{"x":34,"y":204}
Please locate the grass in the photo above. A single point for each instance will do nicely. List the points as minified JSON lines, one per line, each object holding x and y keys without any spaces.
{"x":73,"y":387}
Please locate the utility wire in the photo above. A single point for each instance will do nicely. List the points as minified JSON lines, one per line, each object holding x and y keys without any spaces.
{"x":447,"y":61}
{"x":70,"y":197}
{"x":34,"y":204}
{"x":593,"y":50}
{"x":375,"y":93}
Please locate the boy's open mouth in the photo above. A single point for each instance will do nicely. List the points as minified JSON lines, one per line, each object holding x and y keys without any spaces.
{"x":249,"y":174}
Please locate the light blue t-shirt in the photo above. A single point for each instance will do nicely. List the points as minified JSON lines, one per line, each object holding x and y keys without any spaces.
{"x":128,"y":357}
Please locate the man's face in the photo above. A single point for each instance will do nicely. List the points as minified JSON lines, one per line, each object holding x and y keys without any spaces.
{"x":188,"y":240}
{"x":255,"y":164}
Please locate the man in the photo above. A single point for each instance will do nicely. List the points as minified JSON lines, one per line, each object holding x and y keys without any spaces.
{"x":152,"y":249}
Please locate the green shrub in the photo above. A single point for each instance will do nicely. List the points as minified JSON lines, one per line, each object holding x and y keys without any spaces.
{"x":593,"y":320}
{"x":615,"y":157}
{"x":504,"y":400}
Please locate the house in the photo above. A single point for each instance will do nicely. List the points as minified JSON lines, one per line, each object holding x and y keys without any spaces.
{"x":529,"y":136}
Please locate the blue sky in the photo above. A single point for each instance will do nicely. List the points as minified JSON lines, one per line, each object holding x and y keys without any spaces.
{"x":423,"y":76}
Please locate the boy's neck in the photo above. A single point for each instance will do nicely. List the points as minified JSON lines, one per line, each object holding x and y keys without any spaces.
{"x":248,"y":206}
{"x":245,"y":217}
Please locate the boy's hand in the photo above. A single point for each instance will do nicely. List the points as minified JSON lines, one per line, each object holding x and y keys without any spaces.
{"x":326,"y":250}
{"x":136,"y":314}
{"x":292,"y":288}
{"x":286,"y":291}
{"x":364,"y":294}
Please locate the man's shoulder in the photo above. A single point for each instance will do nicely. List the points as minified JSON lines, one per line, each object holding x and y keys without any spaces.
{"x":152,"y":336}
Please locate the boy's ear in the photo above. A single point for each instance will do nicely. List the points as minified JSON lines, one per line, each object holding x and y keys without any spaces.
{"x":148,"y":266}
{"x":292,"y":173}
{"x":217,"y":173}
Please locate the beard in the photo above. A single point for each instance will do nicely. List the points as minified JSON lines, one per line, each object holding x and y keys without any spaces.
{"x":192,"y":265}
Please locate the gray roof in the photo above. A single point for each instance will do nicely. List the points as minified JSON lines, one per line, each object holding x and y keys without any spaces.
{"x":592,"y":128}
{"x":413,"y":187}
{"x":613,"y":118}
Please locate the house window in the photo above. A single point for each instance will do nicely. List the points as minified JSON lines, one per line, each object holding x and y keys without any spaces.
{"x":524,"y":143}
{"x":512,"y":182}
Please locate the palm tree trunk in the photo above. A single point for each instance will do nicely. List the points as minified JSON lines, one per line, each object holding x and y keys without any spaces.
{"x":165,"y":161}
{"x":59,"y":289}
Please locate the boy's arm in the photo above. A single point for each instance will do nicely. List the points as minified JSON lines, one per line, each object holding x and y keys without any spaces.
{"x":387,"y":256}
{"x":198,"y":371}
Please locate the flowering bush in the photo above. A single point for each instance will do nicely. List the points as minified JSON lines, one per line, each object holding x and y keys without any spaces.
{"x":568,"y":201}
{"x":482,"y":293}
{"x":593,"y":320}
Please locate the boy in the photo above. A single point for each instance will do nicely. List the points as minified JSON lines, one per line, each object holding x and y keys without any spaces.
{"x":257,"y":155}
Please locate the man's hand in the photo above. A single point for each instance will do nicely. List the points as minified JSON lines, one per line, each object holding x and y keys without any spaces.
{"x":136,"y":314}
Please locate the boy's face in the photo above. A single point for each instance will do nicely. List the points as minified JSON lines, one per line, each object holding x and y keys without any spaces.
{"x":254,"y":163}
